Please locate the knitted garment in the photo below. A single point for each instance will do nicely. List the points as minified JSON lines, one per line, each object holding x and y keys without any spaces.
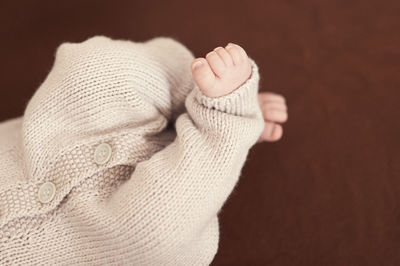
{"x":120,"y":159}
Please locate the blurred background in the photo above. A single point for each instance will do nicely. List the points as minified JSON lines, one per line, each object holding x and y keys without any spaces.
{"x":328,"y":193}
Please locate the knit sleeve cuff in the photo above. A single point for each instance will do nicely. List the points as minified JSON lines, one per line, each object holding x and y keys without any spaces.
{"x":242,"y":101}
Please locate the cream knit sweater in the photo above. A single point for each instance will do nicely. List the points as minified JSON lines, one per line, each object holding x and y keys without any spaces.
{"x":119,"y":159}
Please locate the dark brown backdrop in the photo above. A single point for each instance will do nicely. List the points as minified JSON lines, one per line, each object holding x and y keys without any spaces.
{"x":328,"y":193}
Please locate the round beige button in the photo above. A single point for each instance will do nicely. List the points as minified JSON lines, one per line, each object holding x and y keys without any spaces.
{"x":46,"y":192}
{"x":102,"y":154}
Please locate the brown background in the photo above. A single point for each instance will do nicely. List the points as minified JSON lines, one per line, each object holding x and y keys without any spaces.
{"x":329,"y":192}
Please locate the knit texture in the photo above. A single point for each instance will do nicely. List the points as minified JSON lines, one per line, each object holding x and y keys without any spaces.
{"x":176,"y":156}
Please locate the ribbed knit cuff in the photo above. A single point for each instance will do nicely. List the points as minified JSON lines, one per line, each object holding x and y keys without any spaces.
{"x":242,"y":101}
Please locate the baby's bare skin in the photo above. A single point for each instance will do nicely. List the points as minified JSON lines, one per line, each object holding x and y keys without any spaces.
{"x":224,"y":70}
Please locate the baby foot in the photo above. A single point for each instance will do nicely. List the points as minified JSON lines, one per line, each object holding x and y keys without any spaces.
{"x":274,"y":109}
{"x":223,"y":71}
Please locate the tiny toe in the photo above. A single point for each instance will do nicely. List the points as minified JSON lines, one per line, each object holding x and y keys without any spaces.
{"x":216,"y":63}
{"x":276,"y":133}
{"x":272,"y":132}
{"x":274,"y":105}
{"x":275,"y":115}
{"x":225,"y":56}
{"x":202,"y":74}
{"x":268,"y":128}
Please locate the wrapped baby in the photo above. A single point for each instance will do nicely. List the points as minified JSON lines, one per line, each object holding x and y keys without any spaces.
{"x":127,"y":152}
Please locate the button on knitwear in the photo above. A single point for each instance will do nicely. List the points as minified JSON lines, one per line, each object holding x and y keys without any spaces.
{"x":151,"y":194}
